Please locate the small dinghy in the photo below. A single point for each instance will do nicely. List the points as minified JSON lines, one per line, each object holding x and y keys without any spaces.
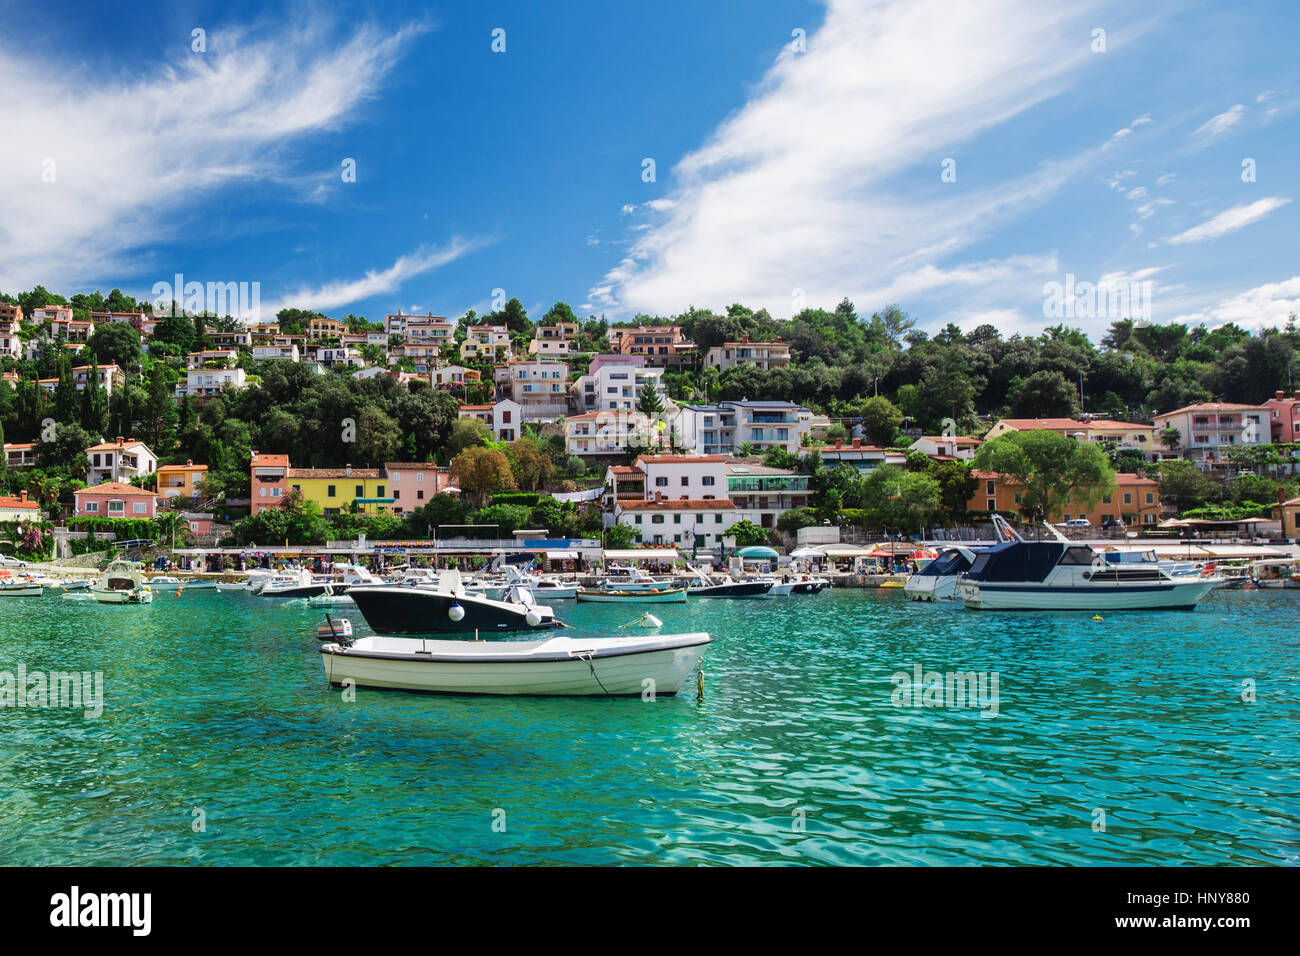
{"x":560,"y":666}
{"x":21,"y":589}
{"x":667,"y":595}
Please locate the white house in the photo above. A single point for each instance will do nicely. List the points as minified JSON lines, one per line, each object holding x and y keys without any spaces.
{"x":695,"y":477}
{"x":541,"y":387}
{"x":610,"y":433}
{"x":941,"y":446}
{"x":120,"y":460}
{"x":485,"y":343}
{"x":210,"y":381}
{"x":503,"y":418}
{"x":723,"y":429}
{"x":681,"y":522}
{"x":287,"y":352}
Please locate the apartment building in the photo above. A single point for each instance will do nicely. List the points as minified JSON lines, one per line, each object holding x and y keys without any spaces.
{"x":212,"y":358}
{"x":285,"y":351}
{"x":761,"y":355}
{"x":762,"y":494}
{"x":611,"y":433}
{"x":485,"y":343}
{"x":615,"y":382}
{"x":540,"y":386}
{"x":864,"y":457}
{"x":50,"y":313}
{"x":412,"y":484}
{"x":181,"y":481}
{"x":270,"y":480}
{"x":1208,"y":430}
{"x":1135,"y":501}
{"x":396,"y":488}
{"x":430,"y":329}
{"x":662,"y":346}
{"x":20,"y":454}
{"x":324,"y":327}
{"x":727,"y":427}
{"x":1127,"y":436}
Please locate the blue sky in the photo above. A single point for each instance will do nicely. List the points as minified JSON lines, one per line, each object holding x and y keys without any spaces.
{"x":783,"y":177}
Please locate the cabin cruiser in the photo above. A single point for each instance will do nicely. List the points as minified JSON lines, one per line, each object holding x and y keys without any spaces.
{"x":558,"y":666}
{"x":629,"y":578}
{"x":1277,"y":573}
{"x":937,"y":581}
{"x":303,"y":585}
{"x":121,"y":584}
{"x":704,"y":584}
{"x":797,"y":584}
{"x":1062,"y":576}
{"x":446,"y":606}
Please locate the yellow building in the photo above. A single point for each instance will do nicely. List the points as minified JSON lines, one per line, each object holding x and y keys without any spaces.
{"x":180,"y":480}
{"x":335,"y":489}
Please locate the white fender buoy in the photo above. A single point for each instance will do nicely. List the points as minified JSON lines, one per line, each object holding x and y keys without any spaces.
{"x":456,"y":612}
{"x":533,"y":618}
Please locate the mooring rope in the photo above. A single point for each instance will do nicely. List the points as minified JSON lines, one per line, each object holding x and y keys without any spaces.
{"x":592,"y":667}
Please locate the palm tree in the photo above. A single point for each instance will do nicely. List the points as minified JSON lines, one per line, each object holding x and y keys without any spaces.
{"x":168,"y":523}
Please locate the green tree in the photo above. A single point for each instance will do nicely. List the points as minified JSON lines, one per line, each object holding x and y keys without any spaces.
{"x":1045,"y":394}
{"x":649,"y":402}
{"x":620,"y":536}
{"x":747,"y":533}
{"x":1050,"y":467}
{"x":481,"y":473}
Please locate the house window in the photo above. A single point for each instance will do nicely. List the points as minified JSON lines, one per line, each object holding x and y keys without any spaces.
{"x":989,"y":488}
{"x":717,"y":519}
{"x":397,"y":495}
{"x":380,"y":491}
{"x":397,"y":476}
{"x":1128,"y":497}
{"x":638,"y":519}
{"x":361,"y":491}
{"x":991,"y":504}
{"x":420,"y":495}
{"x":661,"y":482}
{"x":1151,"y":498}
{"x":117,"y":507}
{"x":677,"y":519}
{"x":685,"y":481}
{"x":275,"y":492}
{"x":140,"y":507}
{"x":708,"y":481}
{"x":419,"y":476}
{"x":329,"y":491}
{"x":656,"y":519}
{"x":91,"y":507}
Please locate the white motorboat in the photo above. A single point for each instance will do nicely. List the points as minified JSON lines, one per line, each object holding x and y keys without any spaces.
{"x":1277,"y":573}
{"x":1064,"y":576}
{"x":560,"y":666}
{"x":554,"y":589}
{"x":204,"y":584}
{"x":705,"y":584}
{"x":629,"y":578}
{"x":937,"y":581}
{"x":121,"y":584}
{"x":447,"y":606}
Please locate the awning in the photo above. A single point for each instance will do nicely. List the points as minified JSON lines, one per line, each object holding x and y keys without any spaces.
{"x":758,"y":552}
{"x":562,"y":555}
{"x":839,"y":551}
{"x":642,"y":554}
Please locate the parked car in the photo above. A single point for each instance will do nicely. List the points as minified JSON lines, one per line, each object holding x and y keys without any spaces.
{"x":6,"y":561}
{"x":1077,"y":523}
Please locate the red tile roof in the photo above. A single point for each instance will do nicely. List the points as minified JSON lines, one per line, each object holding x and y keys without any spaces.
{"x":681,"y":504}
{"x":116,"y":488}
{"x":679,"y":459}
{"x":1030,"y":424}
{"x":1214,"y":407}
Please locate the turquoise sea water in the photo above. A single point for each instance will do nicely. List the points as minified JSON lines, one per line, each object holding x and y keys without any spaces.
{"x":796,"y":755}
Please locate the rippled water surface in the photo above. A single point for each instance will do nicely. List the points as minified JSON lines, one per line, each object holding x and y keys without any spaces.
{"x":797,"y":754}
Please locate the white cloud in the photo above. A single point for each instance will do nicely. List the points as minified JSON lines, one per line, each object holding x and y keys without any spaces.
{"x":1230,"y":220}
{"x":787,"y":194}
{"x":346,"y":291}
{"x":1265,"y":305}
{"x":1220,"y":124}
{"x":1139,"y":193}
{"x":1166,"y":179}
{"x":136,"y":162}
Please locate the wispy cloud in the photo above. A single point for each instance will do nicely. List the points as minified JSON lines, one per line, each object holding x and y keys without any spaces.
{"x":1218,"y":125}
{"x":341,"y":292}
{"x":1265,"y":305}
{"x":94,"y":172}
{"x":1230,"y":220}
{"x":789,"y":193}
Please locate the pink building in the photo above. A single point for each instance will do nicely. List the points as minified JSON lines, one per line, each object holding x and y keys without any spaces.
{"x":1284,"y":417}
{"x":412,"y":484}
{"x":113,"y":499}
{"x":270,"y":481}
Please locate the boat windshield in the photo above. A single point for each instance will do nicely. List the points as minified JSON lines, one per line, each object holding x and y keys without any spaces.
{"x":950,"y":562}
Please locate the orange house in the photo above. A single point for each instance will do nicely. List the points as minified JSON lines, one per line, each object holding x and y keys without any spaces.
{"x":180,"y":480}
{"x":270,"y":481}
{"x":1135,"y":500}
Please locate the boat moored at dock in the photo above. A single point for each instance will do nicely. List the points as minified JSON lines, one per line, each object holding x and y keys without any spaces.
{"x":446,"y":606}
{"x":1066,"y":576}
